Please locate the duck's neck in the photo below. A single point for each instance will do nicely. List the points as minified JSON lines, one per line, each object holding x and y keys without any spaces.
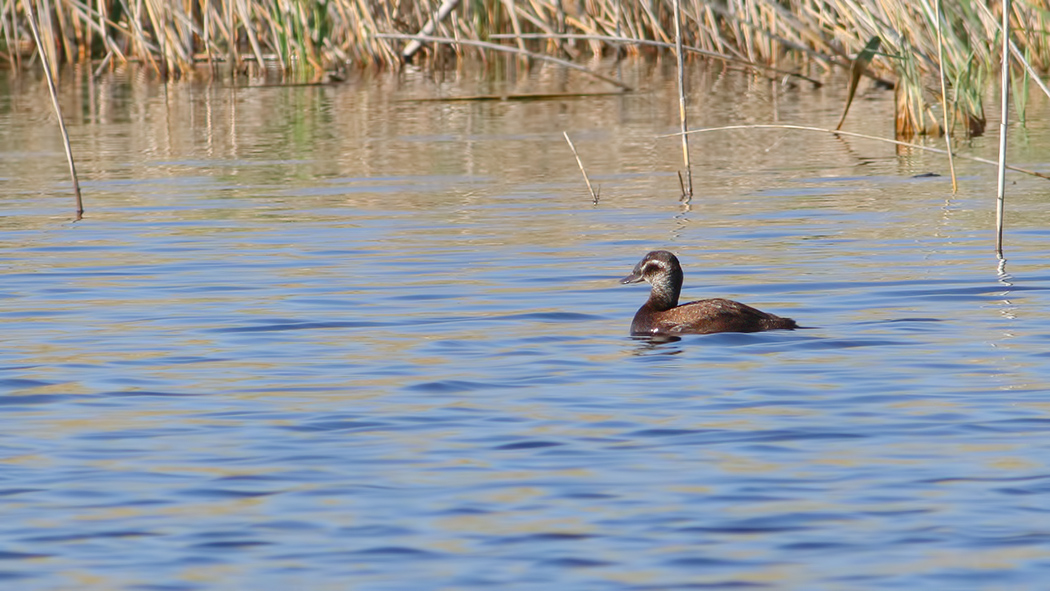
{"x":666,"y":289}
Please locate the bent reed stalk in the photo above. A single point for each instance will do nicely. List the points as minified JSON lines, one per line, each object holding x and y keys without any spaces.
{"x":586,"y":179}
{"x":48,"y":75}
{"x":811,"y":37}
{"x":860,"y":135}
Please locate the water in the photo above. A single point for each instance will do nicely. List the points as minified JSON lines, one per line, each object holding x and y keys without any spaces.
{"x":329,"y":338}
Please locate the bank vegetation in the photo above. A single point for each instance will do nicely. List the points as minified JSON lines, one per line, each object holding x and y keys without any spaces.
{"x":774,"y":38}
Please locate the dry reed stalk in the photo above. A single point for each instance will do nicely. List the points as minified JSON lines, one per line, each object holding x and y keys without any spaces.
{"x":944,"y":100}
{"x":13,"y":55}
{"x":1017,"y":52}
{"x":1034,"y":76}
{"x":42,"y":20}
{"x":740,"y":26}
{"x":244,"y":11}
{"x":539,"y":24}
{"x":139,"y":37}
{"x":158,"y":22}
{"x":62,"y":30}
{"x":1000,"y":197}
{"x":594,"y":195}
{"x":859,"y":135}
{"x":910,"y":107}
{"x":99,"y":27}
{"x":45,"y":62}
{"x":232,"y":56}
{"x":687,"y":195}
{"x":446,"y":8}
{"x":512,"y":12}
{"x":206,"y":31}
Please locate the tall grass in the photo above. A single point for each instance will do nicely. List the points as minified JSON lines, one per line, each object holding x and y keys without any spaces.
{"x":313,"y":36}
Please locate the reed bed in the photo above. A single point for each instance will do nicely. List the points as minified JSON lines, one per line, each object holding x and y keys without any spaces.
{"x":311,"y":37}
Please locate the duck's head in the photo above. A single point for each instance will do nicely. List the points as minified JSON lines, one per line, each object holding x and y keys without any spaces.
{"x":663,"y":271}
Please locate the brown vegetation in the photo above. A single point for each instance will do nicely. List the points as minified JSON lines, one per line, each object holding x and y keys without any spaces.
{"x":808,"y":37}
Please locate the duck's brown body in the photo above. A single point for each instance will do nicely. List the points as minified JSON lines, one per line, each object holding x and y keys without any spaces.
{"x":662,"y":314}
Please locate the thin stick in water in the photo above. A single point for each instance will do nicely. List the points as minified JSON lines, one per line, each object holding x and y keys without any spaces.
{"x":594,"y":195}
{"x":54,"y":101}
{"x":687,"y":195}
{"x":1000,"y":198}
{"x":944,"y":98}
{"x":860,"y":135}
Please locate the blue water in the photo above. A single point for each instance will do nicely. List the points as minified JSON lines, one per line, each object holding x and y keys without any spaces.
{"x":322,"y":339}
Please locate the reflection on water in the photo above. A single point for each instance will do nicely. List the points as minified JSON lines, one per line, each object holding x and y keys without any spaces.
{"x":320,"y":337}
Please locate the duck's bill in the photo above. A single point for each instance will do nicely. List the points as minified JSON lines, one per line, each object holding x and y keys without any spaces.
{"x":632,"y":278}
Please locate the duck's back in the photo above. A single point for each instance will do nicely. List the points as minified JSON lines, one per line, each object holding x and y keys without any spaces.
{"x":707,"y":316}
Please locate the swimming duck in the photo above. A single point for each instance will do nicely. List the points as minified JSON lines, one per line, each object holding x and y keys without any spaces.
{"x":662,"y":315}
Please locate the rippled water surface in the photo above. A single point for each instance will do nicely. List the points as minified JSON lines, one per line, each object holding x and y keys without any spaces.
{"x":339,"y":338}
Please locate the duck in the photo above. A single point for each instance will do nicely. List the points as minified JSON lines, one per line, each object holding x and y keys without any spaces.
{"x":661,"y":314}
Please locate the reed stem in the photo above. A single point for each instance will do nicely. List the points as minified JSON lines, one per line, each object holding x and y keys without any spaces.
{"x":944,"y":99}
{"x":1000,"y":200}
{"x":687,"y":195}
{"x":428,"y":29}
{"x":46,"y":63}
{"x":579,"y":162}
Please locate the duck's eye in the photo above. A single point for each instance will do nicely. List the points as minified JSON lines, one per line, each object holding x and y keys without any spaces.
{"x":651,"y":267}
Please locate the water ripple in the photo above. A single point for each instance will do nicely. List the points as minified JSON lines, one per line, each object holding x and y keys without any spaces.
{"x":242,"y":372}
